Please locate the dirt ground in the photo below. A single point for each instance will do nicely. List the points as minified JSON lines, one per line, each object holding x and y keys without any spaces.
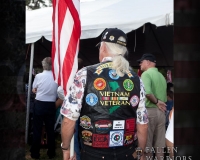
{"x":43,"y":150}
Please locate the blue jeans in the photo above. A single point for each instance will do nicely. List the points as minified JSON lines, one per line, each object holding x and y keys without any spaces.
{"x":76,"y":141}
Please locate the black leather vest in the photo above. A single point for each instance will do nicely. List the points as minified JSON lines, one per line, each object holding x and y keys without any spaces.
{"x":108,"y":114}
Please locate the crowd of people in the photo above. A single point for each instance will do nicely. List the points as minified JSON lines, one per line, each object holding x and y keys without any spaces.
{"x":115,"y":113}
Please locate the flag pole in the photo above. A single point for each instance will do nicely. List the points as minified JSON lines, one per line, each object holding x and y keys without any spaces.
{"x":72,"y":146}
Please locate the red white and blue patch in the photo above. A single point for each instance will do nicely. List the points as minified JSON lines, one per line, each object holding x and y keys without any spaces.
{"x":91,"y":99}
{"x":134,"y":100}
{"x":116,"y":138}
{"x":103,"y":126}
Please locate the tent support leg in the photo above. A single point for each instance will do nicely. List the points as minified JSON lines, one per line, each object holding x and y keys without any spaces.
{"x":29,"y":92}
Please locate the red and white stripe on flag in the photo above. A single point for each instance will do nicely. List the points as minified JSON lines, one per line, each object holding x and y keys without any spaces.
{"x":65,"y":41}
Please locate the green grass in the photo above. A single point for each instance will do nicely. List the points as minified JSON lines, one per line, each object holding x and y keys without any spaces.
{"x":43,"y":151}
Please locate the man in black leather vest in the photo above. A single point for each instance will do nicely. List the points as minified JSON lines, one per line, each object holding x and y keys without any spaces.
{"x":109,"y":98}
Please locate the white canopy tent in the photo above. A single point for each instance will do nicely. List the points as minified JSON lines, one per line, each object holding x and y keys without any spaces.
{"x":95,"y":16}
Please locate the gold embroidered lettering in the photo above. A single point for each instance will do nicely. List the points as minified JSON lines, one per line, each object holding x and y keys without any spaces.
{"x":102,"y":103}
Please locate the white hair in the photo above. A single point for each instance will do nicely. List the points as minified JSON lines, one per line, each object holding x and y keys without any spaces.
{"x":120,"y":64}
{"x":46,"y":63}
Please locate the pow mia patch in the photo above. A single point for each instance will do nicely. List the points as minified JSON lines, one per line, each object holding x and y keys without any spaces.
{"x":99,"y":83}
{"x":134,"y":100}
{"x":91,"y":99}
{"x":113,"y":74}
{"x":128,"y":85}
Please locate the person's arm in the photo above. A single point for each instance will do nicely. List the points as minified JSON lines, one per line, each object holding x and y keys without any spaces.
{"x":59,"y":102}
{"x":34,"y":85}
{"x":142,"y":120}
{"x":67,"y":131}
{"x":142,"y":130}
{"x":160,"y":104}
{"x":71,"y":111}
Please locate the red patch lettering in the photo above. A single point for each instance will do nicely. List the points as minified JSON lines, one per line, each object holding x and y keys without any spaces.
{"x":100,"y":140}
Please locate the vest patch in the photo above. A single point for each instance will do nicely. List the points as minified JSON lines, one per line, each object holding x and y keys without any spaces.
{"x":116,"y":138}
{"x":134,"y":100}
{"x":103,"y":126}
{"x":100,"y":140}
{"x":114,"y":103}
{"x":91,"y":99}
{"x":99,"y":83}
{"x":113,"y":74}
{"x":130,"y":125}
{"x":129,"y":74}
{"x":85,"y":122}
{"x":128,"y":138}
{"x":128,"y":85}
{"x":118,"y":124}
{"x":112,"y":109}
{"x":113,"y":85}
{"x":114,"y":94}
{"x":100,"y":68}
{"x":87,"y":137}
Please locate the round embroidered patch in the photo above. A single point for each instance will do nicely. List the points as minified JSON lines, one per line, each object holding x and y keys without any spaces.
{"x":113,"y":74}
{"x":128,"y":85}
{"x":91,"y":99}
{"x":85,"y":122}
{"x":99,"y":83}
{"x":134,"y":100}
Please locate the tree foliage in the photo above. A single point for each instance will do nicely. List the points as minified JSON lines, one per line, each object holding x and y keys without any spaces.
{"x":36,"y":4}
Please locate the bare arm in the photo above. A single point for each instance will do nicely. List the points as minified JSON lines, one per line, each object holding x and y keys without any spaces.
{"x":34,"y":90}
{"x":142,"y":130}
{"x":59,"y":102}
{"x":160,"y":104}
{"x":67,"y":131}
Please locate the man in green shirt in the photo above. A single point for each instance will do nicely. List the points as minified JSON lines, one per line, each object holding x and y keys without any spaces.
{"x":155,"y":86}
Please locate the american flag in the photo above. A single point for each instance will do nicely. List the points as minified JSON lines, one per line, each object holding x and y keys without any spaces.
{"x":65,"y":42}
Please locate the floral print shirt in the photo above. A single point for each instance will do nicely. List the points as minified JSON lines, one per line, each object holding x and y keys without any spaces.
{"x":72,"y":103}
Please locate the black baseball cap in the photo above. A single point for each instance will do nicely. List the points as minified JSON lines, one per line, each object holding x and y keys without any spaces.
{"x":147,"y":56}
{"x":112,"y":35}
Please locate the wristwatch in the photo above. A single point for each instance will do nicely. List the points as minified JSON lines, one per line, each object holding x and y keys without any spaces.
{"x":63,"y":148}
{"x":139,"y":151}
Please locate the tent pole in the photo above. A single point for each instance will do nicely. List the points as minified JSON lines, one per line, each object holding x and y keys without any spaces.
{"x":29,"y":91}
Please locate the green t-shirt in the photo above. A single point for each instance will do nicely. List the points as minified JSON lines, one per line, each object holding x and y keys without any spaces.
{"x":154,"y":83}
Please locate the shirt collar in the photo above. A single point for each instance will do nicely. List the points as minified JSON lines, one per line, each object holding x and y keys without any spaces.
{"x":107,"y":59}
